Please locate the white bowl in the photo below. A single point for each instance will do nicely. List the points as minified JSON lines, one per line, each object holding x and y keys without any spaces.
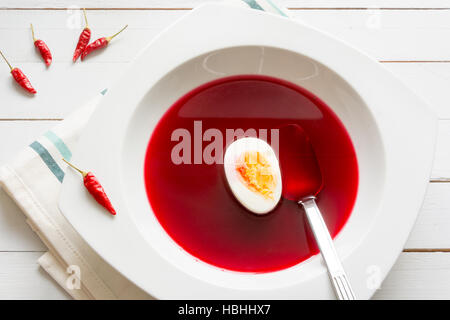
{"x":392,"y":130}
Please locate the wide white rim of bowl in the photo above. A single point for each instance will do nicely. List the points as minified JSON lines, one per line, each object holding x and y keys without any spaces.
{"x":118,"y":240}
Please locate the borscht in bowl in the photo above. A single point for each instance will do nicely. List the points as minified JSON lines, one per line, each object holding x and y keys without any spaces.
{"x":187,"y":187}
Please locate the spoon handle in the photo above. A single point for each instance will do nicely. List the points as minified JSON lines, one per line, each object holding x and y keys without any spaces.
{"x":336,"y":271}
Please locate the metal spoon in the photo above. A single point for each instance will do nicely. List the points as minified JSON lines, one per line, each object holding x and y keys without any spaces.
{"x":302,"y":181}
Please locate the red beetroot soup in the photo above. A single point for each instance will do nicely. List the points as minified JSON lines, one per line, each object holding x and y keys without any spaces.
{"x":193,"y":202}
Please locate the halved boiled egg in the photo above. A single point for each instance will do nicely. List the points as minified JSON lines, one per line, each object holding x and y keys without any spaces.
{"x":253,"y":174}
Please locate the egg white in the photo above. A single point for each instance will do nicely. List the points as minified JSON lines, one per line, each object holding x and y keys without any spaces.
{"x":251,"y":200}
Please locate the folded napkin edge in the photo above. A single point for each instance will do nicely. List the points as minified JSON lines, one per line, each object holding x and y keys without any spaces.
{"x":17,"y":190}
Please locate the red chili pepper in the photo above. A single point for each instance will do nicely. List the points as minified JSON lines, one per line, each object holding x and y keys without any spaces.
{"x":83,"y":41}
{"x":20,"y":77}
{"x":99,"y":43}
{"x":43,"y":49}
{"x":95,"y":188}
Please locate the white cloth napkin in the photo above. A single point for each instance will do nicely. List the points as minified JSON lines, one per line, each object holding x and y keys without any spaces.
{"x":33,"y":180}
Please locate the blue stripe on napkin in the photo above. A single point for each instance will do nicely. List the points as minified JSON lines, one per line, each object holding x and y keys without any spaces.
{"x":59,"y":144}
{"x":48,"y":160}
{"x":253,"y":4}
{"x":276,"y":8}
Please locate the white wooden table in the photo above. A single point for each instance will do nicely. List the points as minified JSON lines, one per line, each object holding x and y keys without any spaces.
{"x":410,"y":37}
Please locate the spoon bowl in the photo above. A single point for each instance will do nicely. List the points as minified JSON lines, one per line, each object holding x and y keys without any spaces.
{"x":300,"y":169}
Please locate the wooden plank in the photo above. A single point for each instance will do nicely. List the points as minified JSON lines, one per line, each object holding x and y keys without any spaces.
{"x":433,"y":222}
{"x":65,"y":85}
{"x":192,"y":3}
{"x":441,"y":167}
{"x":414,"y":276}
{"x":18,"y":134}
{"x":22,"y":278}
{"x":83,"y":80}
{"x":61,"y":90}
{"x":418,"y":276}
{"x":385,"y":34}
{"x":77,"y":82}
{"x":61,"y":29}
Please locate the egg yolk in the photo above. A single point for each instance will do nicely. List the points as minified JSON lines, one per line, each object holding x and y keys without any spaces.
{"x":256,"y":173}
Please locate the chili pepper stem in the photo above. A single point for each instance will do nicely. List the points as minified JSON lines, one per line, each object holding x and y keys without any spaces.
{"x":32,"y":32}
{"x":83,"y":173}
{"x":85,"y":18}
{"x":111,"y":37}
{"x":6,"y":61}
